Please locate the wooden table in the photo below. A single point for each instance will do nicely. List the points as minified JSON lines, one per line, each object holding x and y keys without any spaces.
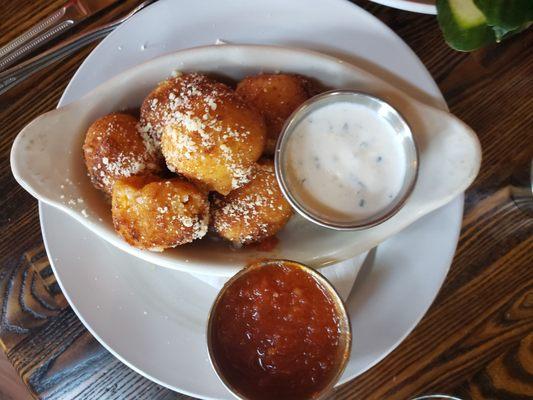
{"x":476,"y":341}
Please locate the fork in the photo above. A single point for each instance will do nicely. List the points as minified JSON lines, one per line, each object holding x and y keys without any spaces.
{"x":17,"y":74}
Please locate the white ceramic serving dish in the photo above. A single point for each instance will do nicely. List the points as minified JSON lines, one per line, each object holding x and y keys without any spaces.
{"x":47,"y":161}
{"x":418,"y":6}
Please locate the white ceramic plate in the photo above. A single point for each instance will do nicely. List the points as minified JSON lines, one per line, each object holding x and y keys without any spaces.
{"x":419,"y":6}
{"x":153,"y":319}
{"x":46,"y":158}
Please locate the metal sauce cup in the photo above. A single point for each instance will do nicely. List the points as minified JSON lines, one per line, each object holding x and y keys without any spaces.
{"x":344,"y":323}
{"x":383,"y":110}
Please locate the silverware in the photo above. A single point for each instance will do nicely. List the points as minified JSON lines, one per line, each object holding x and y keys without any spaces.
{"x":52,"y":26}
{"x":385,"y":111}
{"x":17,"y":74}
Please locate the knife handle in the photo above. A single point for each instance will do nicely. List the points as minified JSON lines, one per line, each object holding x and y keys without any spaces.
{"x":14,"y":75}
{"x":44,"y":31}
{"x":20,"y":72}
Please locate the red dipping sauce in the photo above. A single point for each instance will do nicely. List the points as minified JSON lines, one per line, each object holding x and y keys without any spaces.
{"x":278,"y":331}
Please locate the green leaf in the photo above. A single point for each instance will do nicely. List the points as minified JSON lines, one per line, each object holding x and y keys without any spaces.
{"x":502,"y":33}
{"x":506,"y":15}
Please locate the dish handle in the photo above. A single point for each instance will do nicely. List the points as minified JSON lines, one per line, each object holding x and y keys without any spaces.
{"x":45,"y":161}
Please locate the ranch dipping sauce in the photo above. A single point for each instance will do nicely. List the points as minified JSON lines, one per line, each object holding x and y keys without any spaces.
{"x":346,"y":161}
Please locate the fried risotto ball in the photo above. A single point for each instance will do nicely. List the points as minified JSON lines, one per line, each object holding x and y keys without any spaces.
{"x":154,"y":214}
{"x":208,"y":134}
{"x":275,"y":96}
{"x":115,"y":149}
{"x":155,"y":110}
{"x":253,"y":212}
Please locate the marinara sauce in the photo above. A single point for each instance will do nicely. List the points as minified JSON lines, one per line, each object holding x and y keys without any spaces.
{"x":276,"y":333}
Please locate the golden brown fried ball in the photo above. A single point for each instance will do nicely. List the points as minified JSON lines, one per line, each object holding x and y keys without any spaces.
{"x":155,"y":110}
{"x":154,"y":214}
{"x":208,"y":134}
{"x":253,"y":212}
{"x":115,"y":149}
{"x":276,"y":96}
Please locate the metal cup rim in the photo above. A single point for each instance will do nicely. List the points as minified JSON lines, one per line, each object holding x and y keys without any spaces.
{"x":340,"y":308}
{"x":412,"y":163}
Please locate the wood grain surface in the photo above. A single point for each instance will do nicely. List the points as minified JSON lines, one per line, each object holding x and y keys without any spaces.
{"x":476,"y":341}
